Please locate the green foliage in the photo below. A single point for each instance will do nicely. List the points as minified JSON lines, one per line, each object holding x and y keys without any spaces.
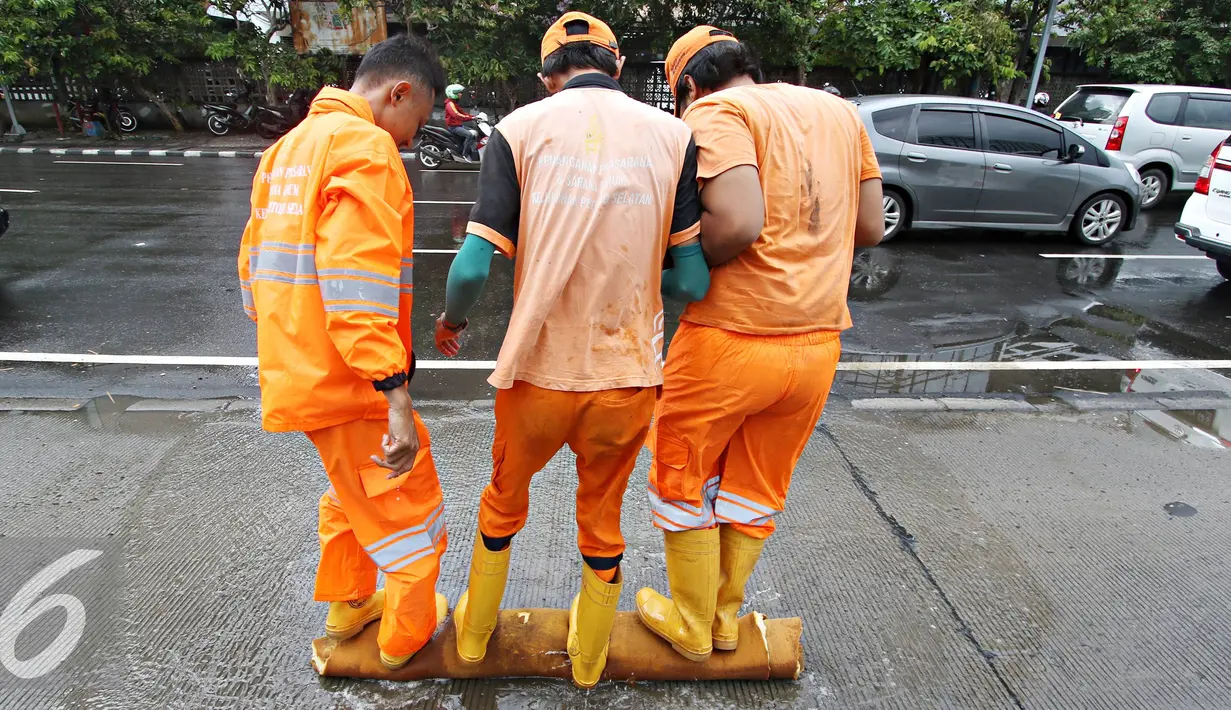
{"x":101,"y":39}
{"x":1156,"y":41}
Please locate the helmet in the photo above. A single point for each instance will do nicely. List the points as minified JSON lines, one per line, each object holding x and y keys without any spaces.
{"x":454,"y":90}
{"x":1042,"y":98}
{"x":830,"y":88}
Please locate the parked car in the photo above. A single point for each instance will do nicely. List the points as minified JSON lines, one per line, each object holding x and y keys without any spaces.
{"x":1205,"y":223}
{"x":957,"y":162}
{"x":1165,"y":132}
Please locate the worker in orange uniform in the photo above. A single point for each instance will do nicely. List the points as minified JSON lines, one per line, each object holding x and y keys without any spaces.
{"x":326,"y":270}
{"x":789,"y":187}
{"x":591,"y":190}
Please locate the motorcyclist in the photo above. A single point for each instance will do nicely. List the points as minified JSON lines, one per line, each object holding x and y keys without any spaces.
{"x":455,"y":118}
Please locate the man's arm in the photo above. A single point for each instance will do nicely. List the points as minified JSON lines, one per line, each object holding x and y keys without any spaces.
{"x":688,"y":278}
{"x":358,"y":267}
{"x":734,"y":213}
{"x":245,"y":271}
{"x":870,"y":220}
{"x":493,"y":226}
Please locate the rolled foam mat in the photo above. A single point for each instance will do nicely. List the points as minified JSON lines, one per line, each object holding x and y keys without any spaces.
{"x":530,"y":643}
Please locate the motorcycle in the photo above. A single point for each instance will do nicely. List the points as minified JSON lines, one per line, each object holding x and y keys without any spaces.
{"x":437,"y":145}
{"x":268,"y":122}
{"x":106,"y":110}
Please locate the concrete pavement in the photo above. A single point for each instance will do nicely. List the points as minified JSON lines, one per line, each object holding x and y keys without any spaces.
{"x":939,"y":560}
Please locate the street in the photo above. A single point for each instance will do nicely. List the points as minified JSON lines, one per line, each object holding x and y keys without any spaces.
{"x":1030,"y":522}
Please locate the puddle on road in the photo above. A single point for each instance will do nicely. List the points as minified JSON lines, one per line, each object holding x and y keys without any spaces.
{"x":1180,"y":510}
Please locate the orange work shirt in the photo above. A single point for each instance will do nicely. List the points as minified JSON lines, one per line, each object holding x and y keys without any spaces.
{"x":812,"y":151}
{"x":326,"y":268}
{"x":588,"y":189}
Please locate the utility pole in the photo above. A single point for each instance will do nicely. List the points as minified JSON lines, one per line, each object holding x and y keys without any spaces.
{"x":1038,"y":62}
{"x":17,"y":129}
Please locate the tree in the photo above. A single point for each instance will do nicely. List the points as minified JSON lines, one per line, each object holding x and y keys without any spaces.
{"x":1155,"y":41}
{"x":260,"y":46}
{"x":97,"y":41}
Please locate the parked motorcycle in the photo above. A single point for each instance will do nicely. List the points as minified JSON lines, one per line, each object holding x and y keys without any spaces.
{"x":437,"y":145}
{"x":104,"y":109}
{"x":268,"y":122}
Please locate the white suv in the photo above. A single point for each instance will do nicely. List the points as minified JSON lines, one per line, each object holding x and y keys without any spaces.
{"x":1165,"y":132}
{"x":1206,"y":221}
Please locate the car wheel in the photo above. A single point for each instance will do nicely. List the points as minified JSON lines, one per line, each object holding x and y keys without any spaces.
{"x":1224,"y":268}
{"x":1153,"y":188}
{"x":1100,"y":220}
{"x":895,"y":214}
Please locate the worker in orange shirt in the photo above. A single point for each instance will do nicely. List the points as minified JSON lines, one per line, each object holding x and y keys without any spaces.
{"x":752,"y":363}
{"x":590,"y":190}
{"x":326,"y":269}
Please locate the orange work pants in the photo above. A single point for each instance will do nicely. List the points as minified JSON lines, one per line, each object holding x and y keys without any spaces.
{"x":401,"y":531}
{"x":734,"y":417}
{"x":605,"y":429}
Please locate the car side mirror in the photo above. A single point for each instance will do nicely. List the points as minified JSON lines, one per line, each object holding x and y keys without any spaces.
{"x":1076,"y":152}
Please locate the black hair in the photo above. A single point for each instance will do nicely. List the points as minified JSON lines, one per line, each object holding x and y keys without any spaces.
{"x":580,"y":55}
{"x":403,"y":57}
{"x":717,"y":64}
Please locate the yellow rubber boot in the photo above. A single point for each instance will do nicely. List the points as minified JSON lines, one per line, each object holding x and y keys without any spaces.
{"x":475,"y":615}
{"x":589,"y":626}
{"x":395,"y":662}
{"x":686,"y":620}
{"x":347,"y":619}
{"x":739,"y":556}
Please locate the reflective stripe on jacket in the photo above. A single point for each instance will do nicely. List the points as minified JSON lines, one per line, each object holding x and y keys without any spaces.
{"x":326,"y":267}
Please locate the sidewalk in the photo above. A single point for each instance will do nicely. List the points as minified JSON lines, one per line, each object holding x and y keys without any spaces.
{"x":939,"y":559}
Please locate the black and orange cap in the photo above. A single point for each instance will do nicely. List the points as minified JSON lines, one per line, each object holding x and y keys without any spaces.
{"x":595,"y":32}
{"x":686,"y":47}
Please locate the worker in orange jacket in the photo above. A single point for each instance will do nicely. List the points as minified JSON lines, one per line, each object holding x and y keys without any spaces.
{"x":326,"y":270}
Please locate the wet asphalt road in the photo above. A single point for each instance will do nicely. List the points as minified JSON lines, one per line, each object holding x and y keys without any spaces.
{"x":136,"y":256}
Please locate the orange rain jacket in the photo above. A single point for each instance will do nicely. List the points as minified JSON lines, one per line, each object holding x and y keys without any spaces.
{"x":326,"y":268}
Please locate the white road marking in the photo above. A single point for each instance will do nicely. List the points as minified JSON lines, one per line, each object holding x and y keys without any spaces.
{"x":113,"y":162}
{"x":15,"y":190}
{"x":467,"y":172}
{"x":442,"y":202}
{"x":1177,"y":257}
{"x":887,"y":366}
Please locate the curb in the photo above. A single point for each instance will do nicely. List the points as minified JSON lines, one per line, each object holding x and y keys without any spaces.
{"x":1062,"y":402}
{"x":148,"y":152}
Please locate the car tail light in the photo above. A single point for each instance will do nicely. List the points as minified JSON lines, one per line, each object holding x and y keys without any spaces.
{"x":1116,"y":139}
{"x":1207,"y":170}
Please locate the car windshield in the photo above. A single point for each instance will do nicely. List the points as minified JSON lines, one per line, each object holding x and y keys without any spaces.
{"x":1093,"y":106}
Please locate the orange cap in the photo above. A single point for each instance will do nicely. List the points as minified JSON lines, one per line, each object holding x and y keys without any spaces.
{"x":686,"y":47}
{"x":598,"y":33}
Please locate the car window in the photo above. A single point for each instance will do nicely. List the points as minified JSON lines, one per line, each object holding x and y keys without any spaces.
{"x":1165,"y":108}
{"x":893,"y":122}
{"x":947,"y":129}
{"x":1093,"y":105}
{"x":1014,"y":137}
{"x":1208,"y":113}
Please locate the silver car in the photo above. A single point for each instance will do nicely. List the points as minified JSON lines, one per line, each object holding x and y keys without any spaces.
{"x":957,"y":162}
{"x":1166,"y":132}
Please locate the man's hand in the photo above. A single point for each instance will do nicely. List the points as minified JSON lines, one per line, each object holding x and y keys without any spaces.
{"x":401,"y":444}
{"x":448,"y":337}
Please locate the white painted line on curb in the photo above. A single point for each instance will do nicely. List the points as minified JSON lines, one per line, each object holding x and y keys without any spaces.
{"x":124,"y":152}
{"x":887,"y":366}
{"x":442,"y":202}
{"x":26,"y":151}
{"x":19,"y":192}
{"x":114,"y":162}
{"x":192,"y":154}
{"x":90,"y":151}
{"x":158,"y":153}
{"x":227,"y":154}
{"x":1176,"y":257}
{"x":58,"y":151}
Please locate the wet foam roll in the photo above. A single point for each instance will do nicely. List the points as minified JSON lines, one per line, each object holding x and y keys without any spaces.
{"x":530,"y":643}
